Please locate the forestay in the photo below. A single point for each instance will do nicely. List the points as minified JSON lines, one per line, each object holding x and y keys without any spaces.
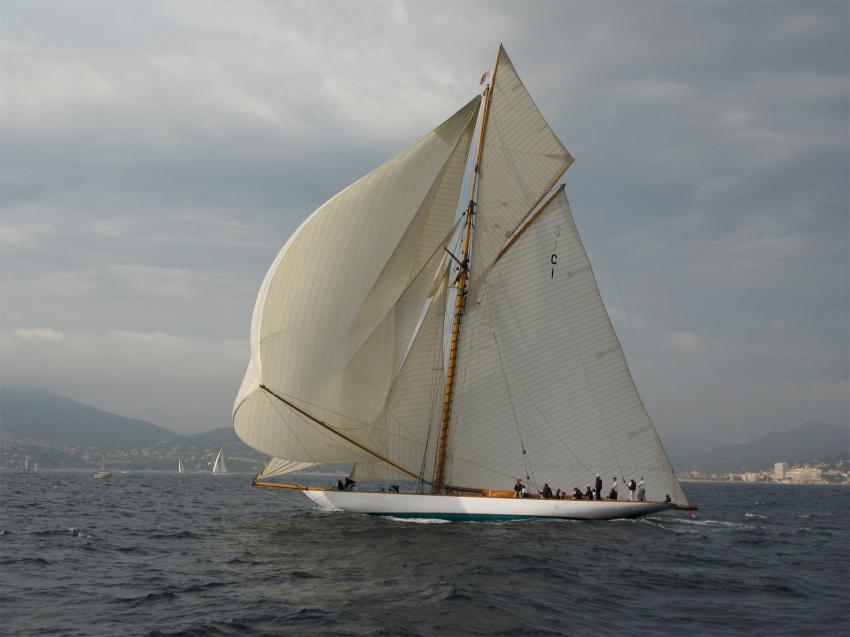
{"x":339,"y":307}
{"x":544,"y":389}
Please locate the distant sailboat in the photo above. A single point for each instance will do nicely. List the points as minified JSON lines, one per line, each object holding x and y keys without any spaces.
{"x":463,"y":355}
{"x":102,"y":473}
{"x":218,"y":465}
{"x":180,"y":468}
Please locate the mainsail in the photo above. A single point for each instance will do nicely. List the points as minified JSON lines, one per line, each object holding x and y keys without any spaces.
{"x":544,"y":390}
{"x":352,"y":355}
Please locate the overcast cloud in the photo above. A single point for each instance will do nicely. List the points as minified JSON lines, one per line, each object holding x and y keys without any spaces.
{"x":155,"y":156}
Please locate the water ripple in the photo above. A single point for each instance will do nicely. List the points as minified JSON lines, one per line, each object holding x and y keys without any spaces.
{"x":167,"y":555}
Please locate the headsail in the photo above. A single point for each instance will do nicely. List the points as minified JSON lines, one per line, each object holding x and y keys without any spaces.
{"x":335,"y":315}
{"x":544,"y":389}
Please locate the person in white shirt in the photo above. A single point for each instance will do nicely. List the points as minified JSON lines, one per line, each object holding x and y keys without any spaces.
{"x":641,"y":489}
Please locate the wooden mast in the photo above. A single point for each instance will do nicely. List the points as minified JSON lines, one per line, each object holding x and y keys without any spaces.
{"x":462,"y":278}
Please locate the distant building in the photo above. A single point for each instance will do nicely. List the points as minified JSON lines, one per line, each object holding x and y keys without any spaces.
{"x":749,"y":477}
{"x":780,"y":469}
{"x":804,"y":474}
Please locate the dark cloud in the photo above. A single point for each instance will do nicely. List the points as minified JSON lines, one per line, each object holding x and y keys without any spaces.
{"x":155,"y":157}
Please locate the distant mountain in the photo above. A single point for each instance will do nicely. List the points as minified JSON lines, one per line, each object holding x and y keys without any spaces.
{"x":222,"y":436}
{"x":683,"y":451}
{"x":45,"y":415}
{"x":803,"y":443}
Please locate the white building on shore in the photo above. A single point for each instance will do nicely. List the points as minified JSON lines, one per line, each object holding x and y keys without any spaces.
{"x":804,"y":474}
{"x":780,"y":469}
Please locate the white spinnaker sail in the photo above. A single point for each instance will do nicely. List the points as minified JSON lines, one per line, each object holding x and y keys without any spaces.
{"x":334,"y":317}
{"x":544,"y":389}
{"x":521,"y":161}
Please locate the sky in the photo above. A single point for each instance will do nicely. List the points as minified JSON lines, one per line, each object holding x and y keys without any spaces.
{"x":154,"y":157}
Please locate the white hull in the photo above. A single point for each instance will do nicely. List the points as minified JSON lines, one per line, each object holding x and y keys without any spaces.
{"x":478,"y":508}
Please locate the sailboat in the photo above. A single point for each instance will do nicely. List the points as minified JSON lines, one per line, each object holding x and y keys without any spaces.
{"x":180,"y":468}
{"x":218,"y":465}
{"x":454,"y":356}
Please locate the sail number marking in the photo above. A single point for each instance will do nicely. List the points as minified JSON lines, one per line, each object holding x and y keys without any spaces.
{"x":554,"y":258}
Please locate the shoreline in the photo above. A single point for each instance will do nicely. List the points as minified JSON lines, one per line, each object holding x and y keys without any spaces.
{"x":809,"y":484}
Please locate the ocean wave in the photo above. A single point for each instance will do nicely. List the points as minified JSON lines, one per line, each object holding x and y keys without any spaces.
{"x":416,"y":520}
{"x":726,"y":524}
{"x":150,"y":598}
{"x":265,"y":567}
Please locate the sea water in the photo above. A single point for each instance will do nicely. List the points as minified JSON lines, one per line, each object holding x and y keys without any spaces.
{"x":158,"y":554}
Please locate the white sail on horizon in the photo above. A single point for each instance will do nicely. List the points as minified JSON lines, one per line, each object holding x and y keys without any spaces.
{"x":218,"y":465}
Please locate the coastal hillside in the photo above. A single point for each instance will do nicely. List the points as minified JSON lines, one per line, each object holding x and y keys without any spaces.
{"x":807,"y":442}
{"x":58,"y":432}
{"x":45,"y":415}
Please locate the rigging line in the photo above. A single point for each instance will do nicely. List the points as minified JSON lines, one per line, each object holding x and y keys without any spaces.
{"x":525,"y":459}
{"x":435,"y":388}
{"x":529,"y":153}
{"x":622,"y":475}
{"x":661,"y":415}
{"x":290,"y":428}
{"x":326,"y":435}
{"x":541,"y":414}
{"x":342,"y":435}
{"x":583,"y":362}
{"x":485,"y":467}
{"x":498,"y":272}
{"x":362,"y":424}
